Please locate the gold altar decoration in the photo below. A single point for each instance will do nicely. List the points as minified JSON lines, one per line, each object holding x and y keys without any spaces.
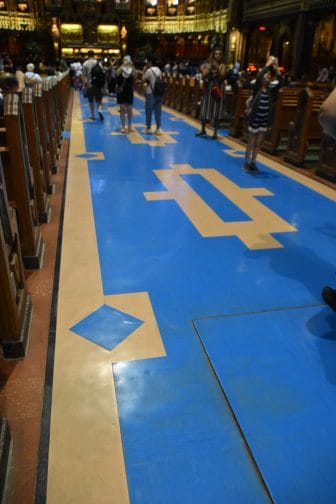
{"x":71,"y":33}
{"x":108,"y":34}
{"x":11,"y":20}
{"x":204,"y":22}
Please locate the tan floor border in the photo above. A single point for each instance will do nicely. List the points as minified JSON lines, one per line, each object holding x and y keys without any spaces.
{"x":85,"y":453}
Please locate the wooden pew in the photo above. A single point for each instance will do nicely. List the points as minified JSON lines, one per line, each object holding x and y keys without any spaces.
{"x":284,"y":112}
{"x":230,"y":103}
{"x":50,"y":118}
{"x":180,"y":92}
{"x":174,"y":85}
{"x":196,"y":93}
{"x":15,"y":302}
{"x":5,"y":456}
{"x":58,"y":107}
{"x":40,"y":104}
{"x":56,"y":111}
{"x":166,"y":79}
{"x":238,"y":119}
{"x":56,"y":115}
{"x":186,"y":103}
{"x":305,"y":131}
{"x":169,"y":91}
{"x":20,"y":182}
{"x":35,"y":153}
{"x":327,"y":161}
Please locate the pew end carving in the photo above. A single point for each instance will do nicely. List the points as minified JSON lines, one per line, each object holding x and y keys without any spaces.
{"x":327,"y":161}
{"x":15,"y":303}
{"x":304,"y":133}
{"x":20,"y":183}
{"x":284,"y":112}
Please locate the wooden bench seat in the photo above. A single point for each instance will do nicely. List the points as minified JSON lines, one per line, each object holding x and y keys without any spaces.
{"x":305,"y":132}
{"x":284,"y":112}
{"x":239,"y":106}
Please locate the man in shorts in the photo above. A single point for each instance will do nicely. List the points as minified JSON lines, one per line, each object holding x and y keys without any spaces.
{"x":93,"y":93}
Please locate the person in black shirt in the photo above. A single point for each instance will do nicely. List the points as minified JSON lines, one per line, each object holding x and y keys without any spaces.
{"x":258,"y":113}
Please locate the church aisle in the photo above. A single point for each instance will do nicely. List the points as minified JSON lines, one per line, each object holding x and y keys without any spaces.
{"x":191,"y":336}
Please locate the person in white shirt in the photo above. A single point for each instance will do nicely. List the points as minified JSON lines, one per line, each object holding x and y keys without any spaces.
{"x":32,"y":78}
{"x":76,"y":66}
{"x":153,"y":103}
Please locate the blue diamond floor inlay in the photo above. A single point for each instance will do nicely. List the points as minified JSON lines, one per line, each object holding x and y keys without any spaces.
{"x":107,"y":326}
{"x":278,"y":370}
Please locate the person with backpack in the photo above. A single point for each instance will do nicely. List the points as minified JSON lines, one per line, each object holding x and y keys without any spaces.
{"x":93,"y":77}
{"x":154,"y":91}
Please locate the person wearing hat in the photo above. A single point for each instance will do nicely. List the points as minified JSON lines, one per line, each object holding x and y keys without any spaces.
{"x":125,"y":81}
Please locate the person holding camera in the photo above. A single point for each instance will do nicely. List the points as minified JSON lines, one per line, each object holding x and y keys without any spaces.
{"x":258,"y":111}
{"x":212,"y":107}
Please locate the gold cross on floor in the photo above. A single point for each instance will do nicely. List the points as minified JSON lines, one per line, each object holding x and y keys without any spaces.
{"x":254,"y":233}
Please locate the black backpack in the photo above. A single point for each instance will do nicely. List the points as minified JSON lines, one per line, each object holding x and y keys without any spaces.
{"x":97,"y":76}
{"x":159,"y":86}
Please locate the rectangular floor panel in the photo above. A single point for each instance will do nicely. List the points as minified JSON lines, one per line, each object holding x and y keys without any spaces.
{"x":278,"y":372}
{"x":180,"y":441}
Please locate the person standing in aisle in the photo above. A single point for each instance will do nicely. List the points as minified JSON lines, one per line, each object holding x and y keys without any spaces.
{"x":153,"y":103}
{"x":125,"y":93}
{"x":212,"y":108}
{"x":258,"y":112}
{"x":93,"y":91}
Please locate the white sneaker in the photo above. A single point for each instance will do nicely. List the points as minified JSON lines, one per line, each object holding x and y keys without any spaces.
{"x":123,"y":130}
{"x":158,"y":131}
{"x":147,"y":130}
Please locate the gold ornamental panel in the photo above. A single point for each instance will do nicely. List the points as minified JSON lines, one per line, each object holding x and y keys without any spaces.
{"x":71,"y":33}
{"x":108,"y":34}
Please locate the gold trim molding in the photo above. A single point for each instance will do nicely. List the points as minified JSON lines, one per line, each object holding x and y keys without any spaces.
{"x":206,"y":22}
{"x":14,"y":21}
